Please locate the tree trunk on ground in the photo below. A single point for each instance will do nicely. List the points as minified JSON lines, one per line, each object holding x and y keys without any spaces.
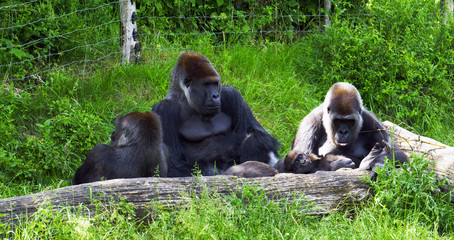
{"x":327,"y":190}
{"x":441,"y":154}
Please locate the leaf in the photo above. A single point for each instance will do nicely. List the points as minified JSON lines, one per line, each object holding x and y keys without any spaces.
{"x":20,"y":54}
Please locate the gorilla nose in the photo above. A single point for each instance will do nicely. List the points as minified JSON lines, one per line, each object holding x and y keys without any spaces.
{"x":343,"y":131}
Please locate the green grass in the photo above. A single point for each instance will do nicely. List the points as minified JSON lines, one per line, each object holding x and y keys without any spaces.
{"x":48,"y":130}
{"x":252,"y":215}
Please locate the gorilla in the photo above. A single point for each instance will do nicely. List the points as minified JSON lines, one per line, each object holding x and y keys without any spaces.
{"x":136,"y":150}
{"x":251,"y":169}
{"x":296,"y":162}
{"x":342,"y":126}
{"x":209,"y":126}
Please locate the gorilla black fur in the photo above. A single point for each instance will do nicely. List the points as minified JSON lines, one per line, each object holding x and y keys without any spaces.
{"x":209,"y":125}
{"x":136,"y":150}
{"x":251,"y":169}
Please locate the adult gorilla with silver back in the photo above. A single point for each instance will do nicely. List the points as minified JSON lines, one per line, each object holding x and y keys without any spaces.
{"x":342,"y":126}
{"x":209,"y":125}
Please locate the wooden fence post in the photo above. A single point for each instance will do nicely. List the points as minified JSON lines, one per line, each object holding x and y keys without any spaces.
{"x":130,"y":44}
{"x":447,"y":8}
{"x":327,"y":5}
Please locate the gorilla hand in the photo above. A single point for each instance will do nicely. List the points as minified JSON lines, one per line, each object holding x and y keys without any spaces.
{"x":375,"y":158}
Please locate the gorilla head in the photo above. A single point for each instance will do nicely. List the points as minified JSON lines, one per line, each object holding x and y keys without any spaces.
{"x":198,"y":80}
{"x":136,"y":128}
{"x":342,"y":111}
{"x":297,"y":162}
{"x":136,"y":150}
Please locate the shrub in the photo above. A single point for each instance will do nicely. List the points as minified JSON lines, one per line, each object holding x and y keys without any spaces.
{"x":399,"y":58}
{"x":414,"y":192}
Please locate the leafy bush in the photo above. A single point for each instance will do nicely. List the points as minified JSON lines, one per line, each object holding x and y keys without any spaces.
{"x":414,"y":192}
{"x":48,"y":149}
{"x":40,"y":35}
{"x":399,"y":58}
{"x":231,"y":21}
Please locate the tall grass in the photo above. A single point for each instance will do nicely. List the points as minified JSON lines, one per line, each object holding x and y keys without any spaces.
{"x":402,"y":208}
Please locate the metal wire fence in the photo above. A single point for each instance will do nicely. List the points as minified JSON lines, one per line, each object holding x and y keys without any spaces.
{"x":41,"y":38}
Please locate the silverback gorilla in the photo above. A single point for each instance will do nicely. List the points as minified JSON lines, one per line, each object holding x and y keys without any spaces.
{"x":209,"y":125}
{"x":136,"y":150}
{"x":342,"y":126}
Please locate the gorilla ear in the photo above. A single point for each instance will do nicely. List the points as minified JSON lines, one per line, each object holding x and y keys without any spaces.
{"x":112,"y":137}
{"x":187,"y":81}
{"x":329,"y":109}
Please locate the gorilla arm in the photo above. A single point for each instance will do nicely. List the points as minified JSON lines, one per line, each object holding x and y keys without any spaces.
{"x":169,"y":110}
{"x":256,"y":143}
{"x":374,"y":132}
{"x":311,"y":133}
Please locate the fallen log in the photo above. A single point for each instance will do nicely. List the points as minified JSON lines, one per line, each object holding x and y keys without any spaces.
{"x":442,"y":155}
{"x":326,"y":189}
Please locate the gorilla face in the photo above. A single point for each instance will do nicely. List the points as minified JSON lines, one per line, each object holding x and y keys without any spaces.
{"x":344,"y":130}
{"x":342,"y":114}
{"x":302,"y":164}
{"x":297,"y":162}
{"x":204,"y":95}
{"x":200,"y":84}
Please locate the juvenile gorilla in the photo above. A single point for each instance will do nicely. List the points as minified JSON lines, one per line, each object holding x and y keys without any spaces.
{"x":342,"y":126}
{"x":136,"y":150}
{"x":296,"y":162}
{"x":209,"y":125}
{"x":251,"y":169}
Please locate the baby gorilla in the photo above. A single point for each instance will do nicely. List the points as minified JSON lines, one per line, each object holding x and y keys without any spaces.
{"x":136,"y":150}
{"x":296,"y":162}
{"x":251,"y":169}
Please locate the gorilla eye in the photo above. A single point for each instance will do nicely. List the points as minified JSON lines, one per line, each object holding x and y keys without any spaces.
{"x":187,"y":81}
{"x":299,"y":157}
{"x":329,"y":109}
{"x":350,"y":122}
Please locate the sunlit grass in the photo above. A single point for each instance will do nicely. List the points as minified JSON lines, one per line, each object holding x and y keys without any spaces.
{"x":279,"y":97}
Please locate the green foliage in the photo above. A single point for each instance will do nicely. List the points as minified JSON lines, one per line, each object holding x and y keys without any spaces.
{"x":246,"y":22}
{"x":235,"y":216}
{"x":399,"y":58}
{"x":247,"y":214}
{"x":44,"y":149}
{"x":37,"y":36}
{"x":113,"y":219}
{"x":414,"y":192}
